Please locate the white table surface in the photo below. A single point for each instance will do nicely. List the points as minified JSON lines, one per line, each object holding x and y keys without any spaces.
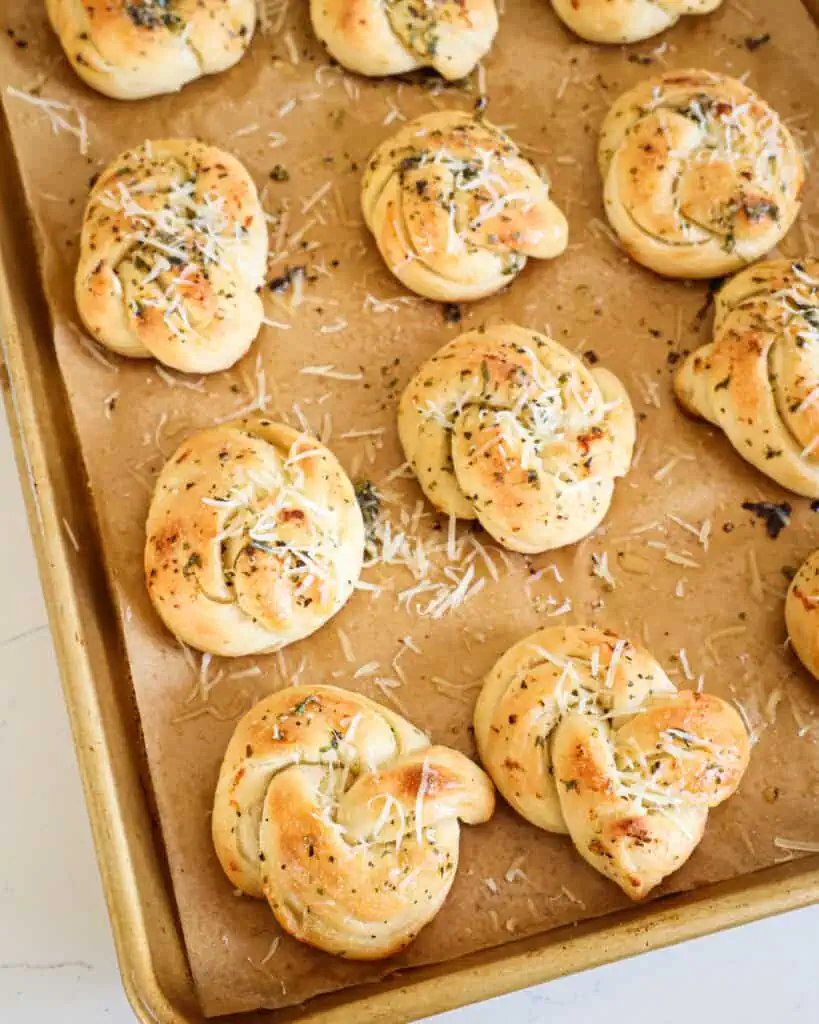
{"x":57,"y":961}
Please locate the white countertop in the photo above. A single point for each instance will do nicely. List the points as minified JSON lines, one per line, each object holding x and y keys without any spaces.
{"x":57,"y":960}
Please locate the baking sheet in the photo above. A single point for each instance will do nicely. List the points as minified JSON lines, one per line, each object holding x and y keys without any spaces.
{"x":592,"y":299}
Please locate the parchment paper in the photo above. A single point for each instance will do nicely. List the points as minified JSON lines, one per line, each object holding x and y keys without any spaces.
{"x":551,"y":91}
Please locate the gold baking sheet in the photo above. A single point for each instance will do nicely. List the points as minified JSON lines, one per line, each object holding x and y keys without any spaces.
{"x":592,"y":299}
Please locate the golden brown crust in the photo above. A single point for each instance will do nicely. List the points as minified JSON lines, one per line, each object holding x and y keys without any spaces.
{"x":130,"y":49}
{"x":391,"y":37}
{"x":455,"y":208}
{"x":802,"y":613}
{"x":505,"y":426}
{"x":173,"y":250}
{"x":626,"y":21}
{"x":700,"y":177}
{"x":582,"y":732}
{"x":343,"y":816}
{"x":533,"y":686}
{"x":758,"y":380}
{"x":254,"y":538}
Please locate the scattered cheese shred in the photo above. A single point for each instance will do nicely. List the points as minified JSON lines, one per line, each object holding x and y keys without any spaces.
{"x":316,"y":197}
{"x":330,"y":372}
{"x":515,"y":871}
{"x":274,"y":945}
{"x":796,"y":845}
{"x":600,"y":568}
{"x":455,"y":691}
{"x":683,"y":560}
{"x":56,"y":112}
{"x":173,"y":382}
{"x":721,"y":634}
{"x":562,"y":609}
{"x":245,"y":673}
{"x":570,"y":896}
{"x":757,"y":591}
{"x":375,"y":432}
{"x":92,"y":349}
{"x":346,"y":645}
{"x":292,"y":49}
{"x":71,"y":535}
{"x":333,"y":328}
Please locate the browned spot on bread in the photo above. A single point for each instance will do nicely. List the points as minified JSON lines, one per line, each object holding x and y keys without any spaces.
{"x":586,"y":772}
{"x":411,"y":776}
{"x":631,"y":828}
{"x":166,"y":537}
{"x":804,"y":599}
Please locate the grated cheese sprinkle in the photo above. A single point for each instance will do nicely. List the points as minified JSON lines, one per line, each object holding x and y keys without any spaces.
{"x":71,"y":535}
{"x":56,"y":112}
{"x":346,"y":646}
{"x":796,"y":845}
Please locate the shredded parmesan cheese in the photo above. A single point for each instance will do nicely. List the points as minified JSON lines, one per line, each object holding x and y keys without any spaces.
{"x":796,"y":845}
{"x":92,"y":349}
{"x":70,"y":534}
{"x":292,"y":49}
{"x":346,"y":646}
{"x":600,"y":568}
{"x":56,"y":112}
{"x":274,"y":945}
{"x":330,"y":372}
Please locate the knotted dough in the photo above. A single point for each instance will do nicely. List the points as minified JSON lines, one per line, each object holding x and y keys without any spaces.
{"x":391,"y":37}
{"x":505,"y":426}
{"x":130,"y":49}
{"x":583,"y":733}
{"x":758,"y":380}
{"x":626,"y":21}
{"x":254,"y":538}
{"x":802,"y":613}
{"x":455,"y":208}
{"x":172,"y":253}
{"x":344,"y":817}
{"x":700,"y":176}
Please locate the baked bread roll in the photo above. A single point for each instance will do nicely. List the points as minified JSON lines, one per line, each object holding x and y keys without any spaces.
{"x":456,"y":209}
{"x":505,"y":426}
{"x":173,"y":250}
{"x":344,"y":817}
{"x":626,"y":21}
{"x":391,"y":37}
{"x":802,"y":613}
{"x":583,"y":733}
{"x":700,"y":175}
{"x":255,"y":538}
{"x":130,"y":49}
{"x":758,"y":380}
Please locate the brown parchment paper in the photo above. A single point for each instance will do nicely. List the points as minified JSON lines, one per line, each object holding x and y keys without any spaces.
{"x":551,"y":91}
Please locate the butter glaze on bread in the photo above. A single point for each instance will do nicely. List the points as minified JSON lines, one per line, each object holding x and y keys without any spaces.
{"x":392,"y":37}
{"x":626,"y":21}
{"x":132,"y":49}
{"x":758,"y":380}
{"x":344,"y":817}
{"x":700,"y":176}
{"x":172,"y":252}
{"x":583,"y":733}
{"x":505,"y":426}
{"x":254,"y":538}
{"x":802,"y":613}
{"x":455,"y":208}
